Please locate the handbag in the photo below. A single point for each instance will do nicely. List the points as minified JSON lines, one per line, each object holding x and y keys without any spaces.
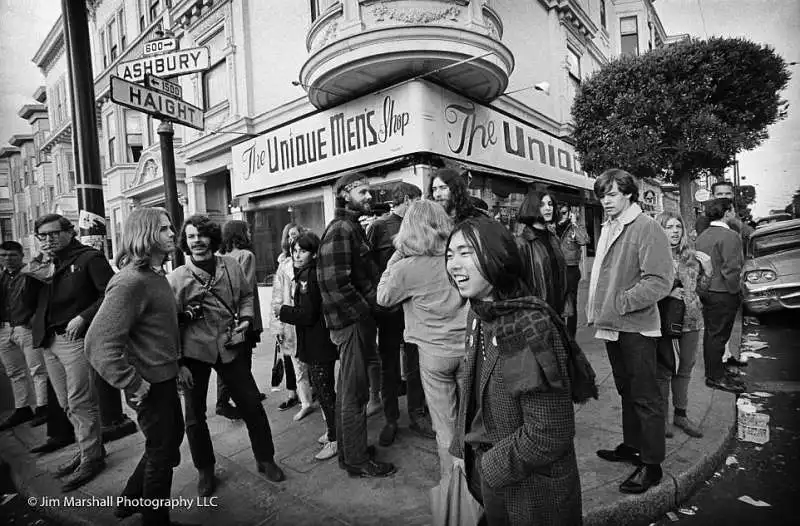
{"x":277,"y":367}
{"x":452,"y":503}
{"x":672,"y":310}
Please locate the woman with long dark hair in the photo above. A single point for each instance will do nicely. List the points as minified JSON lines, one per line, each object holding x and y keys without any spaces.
{"x":692,"y":272}
{"x":236,"y":244}
{"x":545,"y":270}
{"x":516,"y":433}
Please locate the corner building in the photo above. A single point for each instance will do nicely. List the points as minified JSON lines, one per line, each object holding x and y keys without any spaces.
{"x":299,"y":93}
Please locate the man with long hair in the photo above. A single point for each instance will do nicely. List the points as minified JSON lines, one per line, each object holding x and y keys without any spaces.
{"x":348,"y":277}
{"x":391,"y":326}
{"x":631,"y":273}
{"x":134,"y":344}
{"x":449,"y":189}
{"x":215,"y":304}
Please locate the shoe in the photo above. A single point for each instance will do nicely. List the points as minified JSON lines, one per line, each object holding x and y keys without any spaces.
{"x":329,"y":450}
{"x":304,"y":412}
{"x":642,"y":479}
{"x":668,"y":432}
{"x":421,"y":425}
{"x":734,"y":362}
{"x":725,"y":384}
{"x":371,"y":451}
{"x":85,"y":472}
{"x":39,"y":416}
{"x":206,"y":482}
{"x":19,"y":416}
{"x":271,"y":471}
{"x":622,"y":453}
{"x":323,"y":439}
{"x":689,"y":427}
{"x":388,"y":434}
{"x":373,"y":407}
{"x":288,"y":404}
{"x":53,"y":444}
{"x":262,"y":397}
{"x":371,"y":469}
{"x":229,"y":412}
{"x":123,"y":511}
{"x":68,"y":467}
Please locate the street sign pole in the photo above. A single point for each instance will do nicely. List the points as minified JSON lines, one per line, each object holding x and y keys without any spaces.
{"x":89,"y":182}
{"x":165,"y":135}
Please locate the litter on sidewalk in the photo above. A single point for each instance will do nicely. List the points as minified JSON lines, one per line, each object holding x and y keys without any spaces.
{"x":758,"y":503}
{"x":752,"y":425}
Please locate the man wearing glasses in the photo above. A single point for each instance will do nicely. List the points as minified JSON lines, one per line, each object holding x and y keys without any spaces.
{"x":75,"y":278}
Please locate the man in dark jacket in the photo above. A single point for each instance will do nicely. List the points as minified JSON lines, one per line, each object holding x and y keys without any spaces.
{"x":348,"y":277}
{"x":391,"y":325}
{"x":722,"y":300}
{"x":75,"y":278}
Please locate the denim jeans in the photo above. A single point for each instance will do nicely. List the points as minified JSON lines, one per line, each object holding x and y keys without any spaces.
{"x":58,"y":425}
{"x":719,"y":314}
{"x":390,"y":338}
{"x":73,"y":381}
{"x":245,"y":395}
{"x":356,"y":344}
{"x":24,"y":366}
{"x":440,"y":380}
{"x":678,"y":379}
{"x":161,"y":422}
{"x":634,"y":365}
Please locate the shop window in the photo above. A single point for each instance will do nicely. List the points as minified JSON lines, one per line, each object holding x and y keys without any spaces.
{"x":133,"y":136}
{"x":629,"y":36}
{"x":215,"y":78}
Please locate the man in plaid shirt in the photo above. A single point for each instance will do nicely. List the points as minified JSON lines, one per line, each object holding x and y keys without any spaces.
{"x":348,"y":276}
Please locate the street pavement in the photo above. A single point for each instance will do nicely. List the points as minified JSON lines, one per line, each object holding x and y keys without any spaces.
{"x":320,"y":493}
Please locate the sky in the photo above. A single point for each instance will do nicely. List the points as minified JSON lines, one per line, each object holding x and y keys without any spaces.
{"x":773,"y":168}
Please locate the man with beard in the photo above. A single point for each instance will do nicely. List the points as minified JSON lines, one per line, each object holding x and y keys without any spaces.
{"x":391,"y":325}
{"x":348,"y":276}
{"x":215,"y":304}
{"x":449,"y":189}
{"x":134,"y":343}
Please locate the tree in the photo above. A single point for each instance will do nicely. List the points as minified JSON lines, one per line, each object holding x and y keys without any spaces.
{"x":680,"y":111}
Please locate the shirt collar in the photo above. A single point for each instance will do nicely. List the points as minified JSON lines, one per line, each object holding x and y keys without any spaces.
{"x":723,"y":224}
{"x":631,"y":213}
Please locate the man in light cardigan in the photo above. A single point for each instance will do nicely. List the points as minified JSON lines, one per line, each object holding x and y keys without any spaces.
{"x":632,"y":271}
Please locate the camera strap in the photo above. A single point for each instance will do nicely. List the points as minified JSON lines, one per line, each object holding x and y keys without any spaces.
{"x":207,"y":288}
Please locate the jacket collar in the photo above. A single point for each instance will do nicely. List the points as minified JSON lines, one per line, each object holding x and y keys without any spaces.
{"x":628,"y":216}
{"x":723,"y":224}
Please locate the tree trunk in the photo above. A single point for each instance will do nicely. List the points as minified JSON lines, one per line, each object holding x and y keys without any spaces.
{"x":687,"y":201}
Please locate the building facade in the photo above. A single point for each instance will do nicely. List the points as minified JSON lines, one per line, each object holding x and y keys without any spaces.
{"x":299,"y":93}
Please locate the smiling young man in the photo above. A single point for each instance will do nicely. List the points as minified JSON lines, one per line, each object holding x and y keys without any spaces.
{"x":632,"y":271}
{"x":215,"y":303}
{"x":348,"y":277}
{"x":134,"y":343}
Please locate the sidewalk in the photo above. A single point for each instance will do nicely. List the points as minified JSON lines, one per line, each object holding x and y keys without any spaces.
{"x":320,"y":493}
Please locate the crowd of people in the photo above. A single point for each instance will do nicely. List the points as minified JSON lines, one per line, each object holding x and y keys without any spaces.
{"x":484,"y":319}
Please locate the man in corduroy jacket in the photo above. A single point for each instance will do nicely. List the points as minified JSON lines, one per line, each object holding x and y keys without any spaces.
{"x":632,"y":271}
{"x":348,"y":277}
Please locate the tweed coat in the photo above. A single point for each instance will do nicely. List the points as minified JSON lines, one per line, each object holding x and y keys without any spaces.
{"x":527,"y":411}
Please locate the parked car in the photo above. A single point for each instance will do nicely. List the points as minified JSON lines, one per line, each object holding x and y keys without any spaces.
{"x":771,"y":273}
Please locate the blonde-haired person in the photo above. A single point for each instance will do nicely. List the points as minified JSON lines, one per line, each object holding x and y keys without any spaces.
{"x":298,"y":382}
{"x":692,"y":272}
{"x":435,"y":313}
{"x":134,"y":344}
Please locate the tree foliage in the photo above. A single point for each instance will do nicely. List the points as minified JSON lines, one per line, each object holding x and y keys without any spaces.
{"x":680,"y":111}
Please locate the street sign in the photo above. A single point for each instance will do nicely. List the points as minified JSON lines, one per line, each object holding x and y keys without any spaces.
{"x":155,"y":103}
{"x":166,"y":65}
{"x":164,"y":86}
{"x":163,"y":45}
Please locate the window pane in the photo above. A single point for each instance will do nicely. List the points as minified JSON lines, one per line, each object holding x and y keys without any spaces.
{"x":574,"y":63}
{"x":215,"y":85}
{"x":627,"y":25}
{"x":630,"y":44}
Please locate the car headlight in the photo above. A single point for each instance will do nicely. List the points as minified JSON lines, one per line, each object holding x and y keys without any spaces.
{"x":760,"y":276}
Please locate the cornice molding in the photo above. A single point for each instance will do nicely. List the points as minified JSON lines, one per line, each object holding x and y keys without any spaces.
{"x":570,"y":11}
{"x":52,"y":47}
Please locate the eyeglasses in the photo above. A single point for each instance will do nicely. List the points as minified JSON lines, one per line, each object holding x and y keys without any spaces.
{"x":44,"y":236}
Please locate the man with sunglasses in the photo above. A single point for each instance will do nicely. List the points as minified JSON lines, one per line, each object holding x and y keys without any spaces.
{"x":74,"y":280}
